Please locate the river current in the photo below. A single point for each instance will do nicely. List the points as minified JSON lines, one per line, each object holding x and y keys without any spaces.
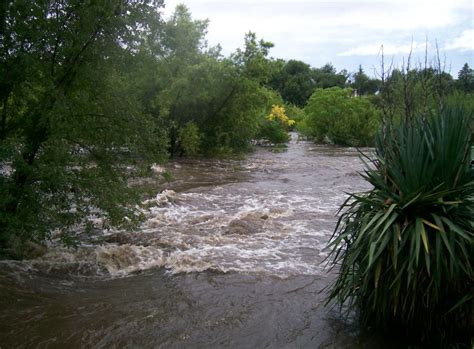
{"x":231,"y":255}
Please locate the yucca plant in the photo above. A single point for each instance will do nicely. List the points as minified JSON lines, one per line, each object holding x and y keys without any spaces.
{"x":404,"y":249}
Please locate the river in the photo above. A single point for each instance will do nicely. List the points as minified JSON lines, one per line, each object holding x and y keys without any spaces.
{"x":230,"y":256}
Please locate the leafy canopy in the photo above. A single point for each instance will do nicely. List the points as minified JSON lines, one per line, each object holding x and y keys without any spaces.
{"x":71,"y":129}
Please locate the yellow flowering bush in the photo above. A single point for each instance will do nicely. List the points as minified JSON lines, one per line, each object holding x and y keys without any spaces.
{"x":278,"y":114}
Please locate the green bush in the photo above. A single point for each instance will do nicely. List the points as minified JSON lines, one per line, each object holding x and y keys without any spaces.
{"x":273,"y":132}
{"x":190,"y":138}
{"x":334,"y":115}
{"x":294,"y":113}
{"x":405,"y":248}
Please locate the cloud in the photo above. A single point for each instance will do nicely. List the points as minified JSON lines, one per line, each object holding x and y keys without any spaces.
{"x":464,"y":42}
{"x":296,"y":2}
{"x":301,"y":15}
{"x":345,"y":31}
{"x":388,"y":49}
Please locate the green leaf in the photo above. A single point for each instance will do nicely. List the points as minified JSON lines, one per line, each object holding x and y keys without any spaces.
{"x":424,"y":238}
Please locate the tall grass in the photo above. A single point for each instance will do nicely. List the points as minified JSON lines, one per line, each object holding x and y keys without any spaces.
{"x":405,"y":248}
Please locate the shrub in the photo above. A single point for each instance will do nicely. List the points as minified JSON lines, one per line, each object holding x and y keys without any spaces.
{"x":278,"y":114}
{"x":294,"y":113}
{"x":273,"y":132}
{"x":273,"y":128}
{"x":405,"y":248}
{"x":334,"y":115}
{"x":190,"y":138}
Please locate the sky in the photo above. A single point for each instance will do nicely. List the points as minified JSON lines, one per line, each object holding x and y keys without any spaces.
{"x":347,"y":33}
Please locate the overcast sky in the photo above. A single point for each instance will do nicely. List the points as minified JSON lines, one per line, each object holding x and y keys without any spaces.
{"x":346,"y":33}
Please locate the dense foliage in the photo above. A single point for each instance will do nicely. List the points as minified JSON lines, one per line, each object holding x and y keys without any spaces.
{"x":405,"y":248}
{"x":93,"y":93}
{"x":465,"y":81}
{"x":275,"y":126}
{"x":335,"y":115}
{"x":296,"y":80}
{"x":66,"y":102}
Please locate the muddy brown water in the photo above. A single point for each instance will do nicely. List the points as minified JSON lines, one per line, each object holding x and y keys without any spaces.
{"x":230,"y":256}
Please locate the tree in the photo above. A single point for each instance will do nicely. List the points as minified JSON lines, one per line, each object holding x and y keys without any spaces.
{"x":363,"y":84}
{"x":183,"y":37}
{"x":326,"y":77}
{"x":465,"y":80}
{"x":294,"y":82}
{"x":252,"y":61}
{"x":70,"y":124}
{"x":170,"y":57}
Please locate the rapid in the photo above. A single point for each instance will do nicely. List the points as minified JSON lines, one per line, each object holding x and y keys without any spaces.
{"x":231,"y":255}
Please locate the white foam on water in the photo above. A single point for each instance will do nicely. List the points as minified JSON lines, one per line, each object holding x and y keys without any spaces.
{"x":157,"y":168}
{"x":126,"y":259}
{"x":245,"y":232}
{"x":279,"y":226}
{"x":112,"y":260}
{"x":218,"y":230}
